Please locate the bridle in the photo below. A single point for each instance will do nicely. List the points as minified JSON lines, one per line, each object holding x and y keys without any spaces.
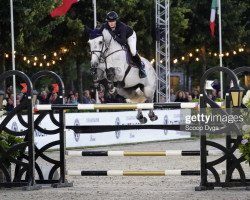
{"x":102,"y":58}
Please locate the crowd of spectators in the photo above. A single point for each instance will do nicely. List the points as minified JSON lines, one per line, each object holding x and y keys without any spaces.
{"x":186,"y":96}
{"x":89,"y":97}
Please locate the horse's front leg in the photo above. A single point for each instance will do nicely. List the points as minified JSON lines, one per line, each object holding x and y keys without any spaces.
{"x":95,"y":78}
{"x":110,"y":77}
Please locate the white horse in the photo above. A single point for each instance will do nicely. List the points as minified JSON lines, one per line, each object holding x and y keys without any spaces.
{"x":109,"y":60}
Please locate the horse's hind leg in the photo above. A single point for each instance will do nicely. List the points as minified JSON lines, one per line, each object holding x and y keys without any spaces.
{"x":152,"y":116}
{"x":149,"y":93}
{"x":140,"y":117}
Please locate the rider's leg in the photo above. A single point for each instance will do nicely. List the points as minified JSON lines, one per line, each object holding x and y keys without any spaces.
{"x":136,"y":58}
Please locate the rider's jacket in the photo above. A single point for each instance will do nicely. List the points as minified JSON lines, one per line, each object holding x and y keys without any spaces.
{"x":121,"y":32}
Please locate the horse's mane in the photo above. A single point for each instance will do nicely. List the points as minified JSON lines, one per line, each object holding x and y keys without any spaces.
{"x":95,"y":33}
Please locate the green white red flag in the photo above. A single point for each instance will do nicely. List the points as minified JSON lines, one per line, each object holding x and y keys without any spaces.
{"x":212,"y":16}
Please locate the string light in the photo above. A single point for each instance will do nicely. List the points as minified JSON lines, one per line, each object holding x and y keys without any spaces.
{"x":152,"y":61}
{"x":64,"y":50}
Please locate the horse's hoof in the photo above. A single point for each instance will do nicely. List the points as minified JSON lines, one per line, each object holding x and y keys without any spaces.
{"x":112,"y":91}
{"x":154,"y":118}
{"x":101,"y":88}
{"x":96,"y":85}
{"x":143,"y":120}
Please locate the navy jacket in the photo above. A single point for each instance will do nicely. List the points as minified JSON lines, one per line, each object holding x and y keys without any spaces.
{"x":121,"y":33}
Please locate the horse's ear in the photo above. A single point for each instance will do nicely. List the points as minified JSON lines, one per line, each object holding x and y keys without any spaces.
{"x":87,"y":30}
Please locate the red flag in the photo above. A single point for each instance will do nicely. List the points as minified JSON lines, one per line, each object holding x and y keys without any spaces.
{"x":55,"y":88}
{"x":24,"y":89}
{"x":63,"y":8}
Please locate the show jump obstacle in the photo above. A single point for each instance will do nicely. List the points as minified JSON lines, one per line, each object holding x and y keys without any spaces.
{"x":24,"y":156}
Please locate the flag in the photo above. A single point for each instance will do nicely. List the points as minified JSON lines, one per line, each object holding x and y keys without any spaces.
{"x":212,"y":16}
{"x":63,"y":8}
{"x":24,"y":89}
{"x":55,"y":88}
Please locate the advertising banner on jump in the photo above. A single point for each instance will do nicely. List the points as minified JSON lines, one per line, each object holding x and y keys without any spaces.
{"x":106,"y":138}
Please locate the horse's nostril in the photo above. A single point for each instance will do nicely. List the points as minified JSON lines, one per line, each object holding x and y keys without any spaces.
{"x":93,"y":65}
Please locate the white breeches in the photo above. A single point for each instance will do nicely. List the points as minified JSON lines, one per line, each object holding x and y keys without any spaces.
{"x":132,"y":43}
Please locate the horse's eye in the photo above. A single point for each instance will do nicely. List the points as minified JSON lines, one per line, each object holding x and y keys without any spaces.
{"x":100,"y":42}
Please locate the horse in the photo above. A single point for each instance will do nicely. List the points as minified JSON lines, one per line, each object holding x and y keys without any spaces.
{"x":110,"y":61}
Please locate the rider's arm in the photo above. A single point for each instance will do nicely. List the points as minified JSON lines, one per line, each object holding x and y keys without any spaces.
{"x":122,"y":39}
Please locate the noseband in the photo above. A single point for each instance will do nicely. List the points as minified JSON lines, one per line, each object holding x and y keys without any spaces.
{"x":102,"y":58}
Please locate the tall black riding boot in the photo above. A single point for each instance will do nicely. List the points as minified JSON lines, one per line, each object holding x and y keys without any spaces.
{"x":140,"y":65}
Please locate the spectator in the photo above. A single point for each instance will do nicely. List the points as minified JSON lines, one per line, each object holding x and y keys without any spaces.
{"x":180,"y":96}
{"x":86,"y":97}
{"x":190,"y":99}
{"x":195,"y":94}
{"x":172,"y":95}
{"x":92,"y":96}
{"x":43,"y":97}
{"x":76,"y":96}
{"x":101,"y":97}
{"x":72,"y":99}
{"x":10,"y":105}
{"x":214,"y":95}
{"x":54,"y":98}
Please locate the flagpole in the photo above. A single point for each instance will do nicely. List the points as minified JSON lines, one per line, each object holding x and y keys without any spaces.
{"x":220,"y":47}
{"x":94,"y":6}
{"x":13,"y":50}
{"x":95,"y":23}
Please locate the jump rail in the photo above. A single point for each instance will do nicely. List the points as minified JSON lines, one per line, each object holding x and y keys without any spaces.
{"x":107,"y":128}
{"x":143,"y":153}
{"x":138,"y":173}
{"x":117,"y":106}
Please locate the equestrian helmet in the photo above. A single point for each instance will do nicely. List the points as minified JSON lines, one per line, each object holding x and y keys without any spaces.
{"x":112,"y":16}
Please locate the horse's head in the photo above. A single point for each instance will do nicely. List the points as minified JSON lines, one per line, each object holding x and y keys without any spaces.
{"x":96,"y":44}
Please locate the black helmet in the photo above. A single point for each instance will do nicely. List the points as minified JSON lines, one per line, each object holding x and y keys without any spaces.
{"x":112,"y":16}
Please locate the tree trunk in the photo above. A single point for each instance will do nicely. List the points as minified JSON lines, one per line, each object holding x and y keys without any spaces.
{"x":3,"y":68}
{"x":204,"y":60}
{"x":79,"y":79}
{"x":2,"y":176}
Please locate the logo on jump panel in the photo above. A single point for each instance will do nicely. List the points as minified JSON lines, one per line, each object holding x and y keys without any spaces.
{"x":77,"y":135}
{"x":165,"y":122}
{"x":117,"y":133}
{"x":14,"y":127}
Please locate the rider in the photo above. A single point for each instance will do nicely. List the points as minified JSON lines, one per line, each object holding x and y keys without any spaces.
{"x":124,"y":35}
